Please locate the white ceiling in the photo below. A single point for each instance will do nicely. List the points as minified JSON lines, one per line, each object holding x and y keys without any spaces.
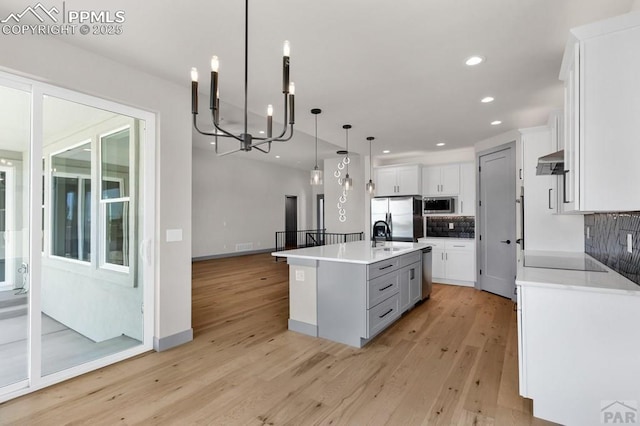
{"x":393,"y":69}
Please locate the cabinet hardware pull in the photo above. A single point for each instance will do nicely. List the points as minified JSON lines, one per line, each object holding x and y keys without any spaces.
{"x":550,"y":189}
{"x":413,"y":274}
{"x":386,"y":313}
{"x":457,"y":246}
{"x":564,"y":187}
{"x":506,"y":241}
{"x":442,"y":256}
{"x":385,"y":267}
{"x":461,"y":206}
{"x":446,"y":256}
{"x":384,"y":288}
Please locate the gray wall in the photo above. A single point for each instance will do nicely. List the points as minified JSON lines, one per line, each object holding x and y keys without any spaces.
{"x":237,"y":200}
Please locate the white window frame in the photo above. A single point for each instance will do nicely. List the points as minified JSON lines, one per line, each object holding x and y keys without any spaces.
{"x":130,"y":217}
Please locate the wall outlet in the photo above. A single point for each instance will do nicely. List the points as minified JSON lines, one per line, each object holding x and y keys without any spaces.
{"x":450,"y":225}
{"x":630,"y":243}
{"x":299,"y":275}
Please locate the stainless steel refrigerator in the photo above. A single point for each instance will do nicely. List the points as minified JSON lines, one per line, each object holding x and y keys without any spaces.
{"x":403,"y":214}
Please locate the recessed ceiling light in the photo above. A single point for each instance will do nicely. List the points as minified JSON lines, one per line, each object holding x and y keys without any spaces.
{"x":486,"y":99}
{"x":495,"y":123}
{"x":386,"y":151}
{"x":277,"y":156}
{"x":474,"y":60}
{"x":440,"y":144}
{"x":261,"y":132}
{"x":213,"y":143}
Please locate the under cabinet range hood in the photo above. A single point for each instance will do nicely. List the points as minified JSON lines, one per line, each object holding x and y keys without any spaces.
{"x":551,"y":164}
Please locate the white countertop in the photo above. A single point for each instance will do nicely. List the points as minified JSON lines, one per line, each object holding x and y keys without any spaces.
{"x":610,"y":281}
{"x":359,"y":252}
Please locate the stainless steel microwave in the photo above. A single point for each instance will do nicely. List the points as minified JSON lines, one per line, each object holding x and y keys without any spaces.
{"x":434,"y":205}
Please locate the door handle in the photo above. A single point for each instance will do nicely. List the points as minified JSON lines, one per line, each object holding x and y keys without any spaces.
{"x":506,"y":241}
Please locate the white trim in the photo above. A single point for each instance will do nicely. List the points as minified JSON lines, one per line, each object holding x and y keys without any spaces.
{"x":9,"y":226}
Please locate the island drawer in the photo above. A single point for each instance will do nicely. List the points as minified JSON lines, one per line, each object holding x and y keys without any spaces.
{"x":381,"y":288}
{"x":410,"y":258}
{"x":380,"y":268}
{"x":382,"y":315}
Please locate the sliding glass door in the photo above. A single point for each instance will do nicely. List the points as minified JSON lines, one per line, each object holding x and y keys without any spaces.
{"x":15,"y":137}
{"x":76,"y":265}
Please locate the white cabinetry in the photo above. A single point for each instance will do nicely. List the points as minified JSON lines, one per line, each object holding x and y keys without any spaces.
{"x":441,"y":180}
{"x":543,"y":229}
{"x":571,"y":361}
{"x":600,"y":71}
{"x":398,"y":180}
{"x":453,"y":261}
{"x":467,"y":199}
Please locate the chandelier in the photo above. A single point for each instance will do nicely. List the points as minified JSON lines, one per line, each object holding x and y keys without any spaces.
{"x":246,"y":140}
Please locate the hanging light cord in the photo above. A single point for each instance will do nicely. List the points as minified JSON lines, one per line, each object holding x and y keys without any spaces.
{"x":316,"y":116}
{"x":370,"y":160}
{"x":348,"y":152}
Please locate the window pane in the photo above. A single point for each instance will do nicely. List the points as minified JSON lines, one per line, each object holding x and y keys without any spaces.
{"x":65,"y":217}
{"x":117,"y":233}
{"x":115,"y":164}
{"x":71,"y":203}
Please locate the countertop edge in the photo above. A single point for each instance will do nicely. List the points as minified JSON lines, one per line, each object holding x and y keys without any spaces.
{"x":355,"y":261}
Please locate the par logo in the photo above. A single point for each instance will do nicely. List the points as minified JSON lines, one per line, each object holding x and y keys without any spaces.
{"x":40,"y":12}
{"x":619,"y":412}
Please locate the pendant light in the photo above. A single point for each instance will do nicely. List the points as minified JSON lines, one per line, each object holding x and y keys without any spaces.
{"x":371,"y":187}
{"x":347,"y":182}
{"x":316,"y":173}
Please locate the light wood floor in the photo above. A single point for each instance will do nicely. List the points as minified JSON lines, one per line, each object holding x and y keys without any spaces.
{"x":450,"y":361}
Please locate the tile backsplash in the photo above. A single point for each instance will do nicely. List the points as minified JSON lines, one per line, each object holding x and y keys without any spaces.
{"x":606,"y":240}
{"x":463,"y":226}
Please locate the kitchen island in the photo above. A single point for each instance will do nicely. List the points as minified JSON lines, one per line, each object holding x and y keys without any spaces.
{"x":350,"y":292}
{"x":577,"y":336}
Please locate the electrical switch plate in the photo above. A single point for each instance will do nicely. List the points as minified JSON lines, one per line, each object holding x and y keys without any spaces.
{"x":174,"y":235}
{"x":450,"y":225}
{"x":299,"y":275}
{"x":630,"y":243}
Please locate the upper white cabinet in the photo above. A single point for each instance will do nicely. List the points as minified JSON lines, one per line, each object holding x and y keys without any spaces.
{"x":397,"y":180}
{"x":600,"y":71}
{"x":441,"y":180}
{"x":467,"y":199}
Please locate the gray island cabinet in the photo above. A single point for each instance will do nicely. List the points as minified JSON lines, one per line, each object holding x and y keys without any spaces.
{"x":350,"y":292}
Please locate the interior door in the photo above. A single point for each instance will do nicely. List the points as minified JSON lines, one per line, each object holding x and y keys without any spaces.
{"x":291,"y":222}
{"x":497,"y":217}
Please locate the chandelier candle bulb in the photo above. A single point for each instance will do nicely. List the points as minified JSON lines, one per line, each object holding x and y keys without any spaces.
{"x":269,"y":121}
{"x":194,"y":91}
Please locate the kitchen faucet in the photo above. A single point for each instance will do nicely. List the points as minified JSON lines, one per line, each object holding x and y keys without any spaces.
{"x":387,"y":232}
